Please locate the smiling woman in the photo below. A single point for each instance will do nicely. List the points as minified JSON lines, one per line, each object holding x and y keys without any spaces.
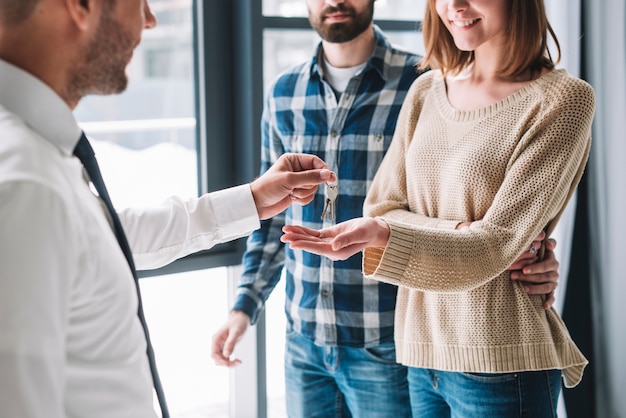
{"x":486,"y":154}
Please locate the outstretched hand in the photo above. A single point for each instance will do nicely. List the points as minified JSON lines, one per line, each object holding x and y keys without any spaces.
{"x":293,"y":178}
{"x":341,"y":241}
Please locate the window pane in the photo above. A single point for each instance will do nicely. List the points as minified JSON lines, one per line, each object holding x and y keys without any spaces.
{"x":412,"y":41}
{"x":275,"y":324}
{"x":384,"y":9}
{"x":183,"y":310}
{"x":145,"y":137}
{"x":283,"y":48}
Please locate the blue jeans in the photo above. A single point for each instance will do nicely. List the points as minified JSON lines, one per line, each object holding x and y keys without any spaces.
{"x":342,"y":382}
{"x":440,"y":394}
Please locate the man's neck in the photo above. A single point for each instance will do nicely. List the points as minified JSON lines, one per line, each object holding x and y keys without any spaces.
{"x":351,"y":53}
{"x":45,"y":60}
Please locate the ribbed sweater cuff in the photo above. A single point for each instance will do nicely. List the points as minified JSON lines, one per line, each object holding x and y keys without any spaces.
{"x":390,"y":263}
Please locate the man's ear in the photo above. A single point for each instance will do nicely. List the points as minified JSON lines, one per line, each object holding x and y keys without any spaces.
{"x":82,"y":12}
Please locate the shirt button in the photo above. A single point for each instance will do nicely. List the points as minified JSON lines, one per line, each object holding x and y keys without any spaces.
{"x":325,"y":292}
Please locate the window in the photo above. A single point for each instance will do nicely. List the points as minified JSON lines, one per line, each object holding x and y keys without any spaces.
{"x":385,"y":9}
{"x":145,"y":138}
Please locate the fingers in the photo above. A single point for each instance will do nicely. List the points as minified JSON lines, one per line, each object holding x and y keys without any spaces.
{"x":308,"y":179}
{"x":222,"y":348}
{"x":534,"y":247}
{"x":295,"y":233}
{"x":550,"y":244}
{"x":530,"y":255}
{"x":302,"y":187}
{"x":303,"y":162}
{"x":226,"y":338}
{"x":539,"y":288}
{"x":540,"y":284}
{"x":541,"y":236}
{"x":527,"y":257}
{"x":293,"y":239}
{"x":314,"y":241}
{"x":303,"y":195}
{"x":550,"y":299}
{"x":318,"y":247}
{"x":549,"y":264}
{"x":522,"y":262}
{"x":306,"y":170}
{"x":304,"y":192}
{"x":539,"y":273}
{"x":300,"y":230}
{"x":341,"y":241}
{"x":327,"y":247}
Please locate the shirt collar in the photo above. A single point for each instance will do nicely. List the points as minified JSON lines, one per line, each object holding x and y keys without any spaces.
{"x":40,"y":107}
{"x":378,"y":61}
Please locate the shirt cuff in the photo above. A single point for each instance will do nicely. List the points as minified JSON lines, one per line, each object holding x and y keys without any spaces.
{"x":235,"y":210}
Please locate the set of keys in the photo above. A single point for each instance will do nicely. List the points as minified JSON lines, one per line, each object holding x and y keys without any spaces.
{"x":332,"y":191}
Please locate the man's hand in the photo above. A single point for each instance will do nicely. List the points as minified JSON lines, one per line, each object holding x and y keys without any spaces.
{"x":292,"y":178}
{"x":539,"y":277}
{"x":226,"y":338}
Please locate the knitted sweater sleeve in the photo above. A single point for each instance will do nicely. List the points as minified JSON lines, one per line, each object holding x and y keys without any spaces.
{"x":389,"y":189}
{"x":540,"y":176}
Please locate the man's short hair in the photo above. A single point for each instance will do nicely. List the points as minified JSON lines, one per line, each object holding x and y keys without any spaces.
{"x":13,"y":12}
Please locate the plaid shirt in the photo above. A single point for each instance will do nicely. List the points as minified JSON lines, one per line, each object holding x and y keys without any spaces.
{"x":329,"y":302}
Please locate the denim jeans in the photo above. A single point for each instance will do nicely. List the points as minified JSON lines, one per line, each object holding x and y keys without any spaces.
{"x":439,"y":394}
{"x":331,"y":382}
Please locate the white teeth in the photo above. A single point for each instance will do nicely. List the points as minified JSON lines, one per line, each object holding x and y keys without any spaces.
{"x":464,"y":23}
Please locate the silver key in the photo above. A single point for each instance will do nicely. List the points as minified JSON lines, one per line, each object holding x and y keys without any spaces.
{"x":332,"y":191}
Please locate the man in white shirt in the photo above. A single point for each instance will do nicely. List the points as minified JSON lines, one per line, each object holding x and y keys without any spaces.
{"x":71,"y":344}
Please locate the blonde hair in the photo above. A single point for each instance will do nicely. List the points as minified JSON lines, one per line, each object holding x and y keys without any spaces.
{"x":527,"y":39}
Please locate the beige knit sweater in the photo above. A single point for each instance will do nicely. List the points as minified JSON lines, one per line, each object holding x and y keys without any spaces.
{"x":511,"y":167}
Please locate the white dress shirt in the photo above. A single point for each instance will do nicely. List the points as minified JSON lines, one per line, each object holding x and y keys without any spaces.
{"x":71,"y":344}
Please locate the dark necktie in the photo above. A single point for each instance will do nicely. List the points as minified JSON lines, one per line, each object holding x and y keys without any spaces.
{"x":85,"y":154}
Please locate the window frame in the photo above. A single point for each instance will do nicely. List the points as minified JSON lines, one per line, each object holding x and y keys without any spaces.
{"x":228,"y":101}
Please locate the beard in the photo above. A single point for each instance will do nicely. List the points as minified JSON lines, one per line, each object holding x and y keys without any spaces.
{"x":342,"y":32}
{"x":104,"y":61}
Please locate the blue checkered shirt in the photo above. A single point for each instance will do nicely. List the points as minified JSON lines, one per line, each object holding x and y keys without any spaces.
{"x":331,"y":303}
